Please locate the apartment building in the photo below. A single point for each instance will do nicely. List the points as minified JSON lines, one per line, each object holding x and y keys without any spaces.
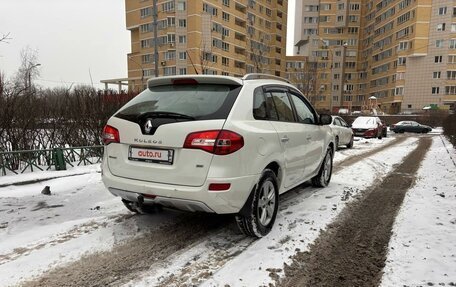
{"x":218,"y":37}
{"x":393,"y":55}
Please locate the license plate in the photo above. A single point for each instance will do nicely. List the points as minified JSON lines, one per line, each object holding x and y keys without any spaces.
{"x":164,"y":156}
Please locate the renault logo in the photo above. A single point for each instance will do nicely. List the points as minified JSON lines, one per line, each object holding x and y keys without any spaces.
{"x":148,"y":126}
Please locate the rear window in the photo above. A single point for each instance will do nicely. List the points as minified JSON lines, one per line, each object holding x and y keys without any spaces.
{"x":200,"y":101}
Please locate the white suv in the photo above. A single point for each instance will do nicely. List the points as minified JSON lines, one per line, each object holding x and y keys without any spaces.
{"x":216,"y":144}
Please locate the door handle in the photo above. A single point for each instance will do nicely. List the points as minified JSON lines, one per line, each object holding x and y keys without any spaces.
{"x":284,"y":139}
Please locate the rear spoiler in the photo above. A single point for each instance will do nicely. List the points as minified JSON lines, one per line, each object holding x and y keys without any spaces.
{"x":200,"y":79}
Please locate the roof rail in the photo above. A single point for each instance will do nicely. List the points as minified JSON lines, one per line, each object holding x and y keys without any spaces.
{"x":256,"y":76}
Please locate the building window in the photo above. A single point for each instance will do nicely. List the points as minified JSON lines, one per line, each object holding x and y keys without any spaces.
{"x":182,"y":55}
{"x":171,"y":38}
{"x":169,"y":71}
{"x":168,"y":6}
{"x":451,"y":75}
{"x":182,"y":39}
{"x":435,"y":90}
{"x":145,"y":59}
{"x":209,"y":9}
{"x":438,"y":43}
{"x":399,"y":91}
{"x":325,"y":7}
{"x":442,"y":10}
{"x":226,"y":3}
{"x":453,"y":44}
{"x":441,"y":27}
{"x":450,"y":90}
{"x":170,"y":55}
{"x":225,"y":61}
{"x":436,"y":75}
{"x":146,"y":43}
{"x":401,"y":61}
{"x":146,"y":12}
{"x":145,"y":28}
{"x":402,"y":46}
{"x":182,"y":23}
{"x":451,"y":59}
{"x":438,"y":59}
{"x":182,"y":71}
{"x":353,"y":18}
{"x":226,"y":16}
{"x":181,"y":6}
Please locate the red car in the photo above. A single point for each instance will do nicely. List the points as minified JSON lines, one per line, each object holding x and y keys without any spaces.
{"x":369,"y":127}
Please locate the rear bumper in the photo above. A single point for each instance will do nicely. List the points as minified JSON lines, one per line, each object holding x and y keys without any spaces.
{"x":187,"y":198}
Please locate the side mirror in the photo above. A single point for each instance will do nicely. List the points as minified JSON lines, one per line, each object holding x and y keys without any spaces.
{"x":325,"y":119}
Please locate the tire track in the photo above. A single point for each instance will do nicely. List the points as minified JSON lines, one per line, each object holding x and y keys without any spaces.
{"x":354,"y":159}
{"x":126,"y":261}
{"x":353,"y":249}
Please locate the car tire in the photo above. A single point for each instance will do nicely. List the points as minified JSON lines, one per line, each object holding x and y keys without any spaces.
{"x":323,"y":177}
{"x":261,"y":212}
{"x":350,"y":144}
{"x":337,"y":142}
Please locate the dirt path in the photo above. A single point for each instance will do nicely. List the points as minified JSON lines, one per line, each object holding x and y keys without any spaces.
{"x":124,"y":262}
{"x":352,"y":251}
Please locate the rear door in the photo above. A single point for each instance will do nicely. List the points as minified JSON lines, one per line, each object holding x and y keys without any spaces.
{"x":312,"y":132}
{"x":292,"y":138}
{"x":153,"y":128}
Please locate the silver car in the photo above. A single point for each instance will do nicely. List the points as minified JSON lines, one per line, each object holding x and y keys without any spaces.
{"x":342,"y":132}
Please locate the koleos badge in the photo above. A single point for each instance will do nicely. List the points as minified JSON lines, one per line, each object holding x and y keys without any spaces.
{"x":148,"y":126}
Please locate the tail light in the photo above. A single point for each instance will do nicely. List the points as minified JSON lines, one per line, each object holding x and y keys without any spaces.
{"x":110,"y":135}
{"x":219,"y":186}
{"x":219,"y":142}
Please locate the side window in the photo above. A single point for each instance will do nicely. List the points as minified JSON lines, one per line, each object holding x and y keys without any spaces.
{"x":283,"y":106}
{"x":259,"y":105}
{"x":343,"y":123}
{"x":337,"y":122}
{"x":271,"y":107}
{"x":305,"y":114}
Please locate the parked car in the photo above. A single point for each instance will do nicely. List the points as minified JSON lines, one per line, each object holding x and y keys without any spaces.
{"x":217,"y":144}
{"x":369,"y":127}
{"x":343,"y":134}
{"x":410,"y":126}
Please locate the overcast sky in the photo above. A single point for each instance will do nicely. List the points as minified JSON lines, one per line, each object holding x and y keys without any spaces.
{"x":72,"y":37}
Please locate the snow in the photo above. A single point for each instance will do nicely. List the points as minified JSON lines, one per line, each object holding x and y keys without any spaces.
{"x":422,"y":250}
{"x":80,"y":217}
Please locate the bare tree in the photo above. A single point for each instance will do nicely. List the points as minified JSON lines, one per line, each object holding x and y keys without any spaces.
{"x":258,"y":49}
{"x":5,"y":37}
{"x":305,"y":78}
{"x":28,"y":70}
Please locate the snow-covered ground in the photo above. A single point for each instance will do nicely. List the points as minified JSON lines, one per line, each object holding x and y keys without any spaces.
{"x":422,"y":251}
{"x":38,"y":232}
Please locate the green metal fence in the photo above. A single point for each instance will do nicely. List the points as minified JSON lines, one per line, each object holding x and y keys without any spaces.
{"x":32,"y":160}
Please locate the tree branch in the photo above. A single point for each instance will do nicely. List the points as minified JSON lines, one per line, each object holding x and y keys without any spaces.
{"x":5,"y":38}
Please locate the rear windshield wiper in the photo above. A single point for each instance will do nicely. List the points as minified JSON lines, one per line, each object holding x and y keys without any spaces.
{"x":166,"y":115}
